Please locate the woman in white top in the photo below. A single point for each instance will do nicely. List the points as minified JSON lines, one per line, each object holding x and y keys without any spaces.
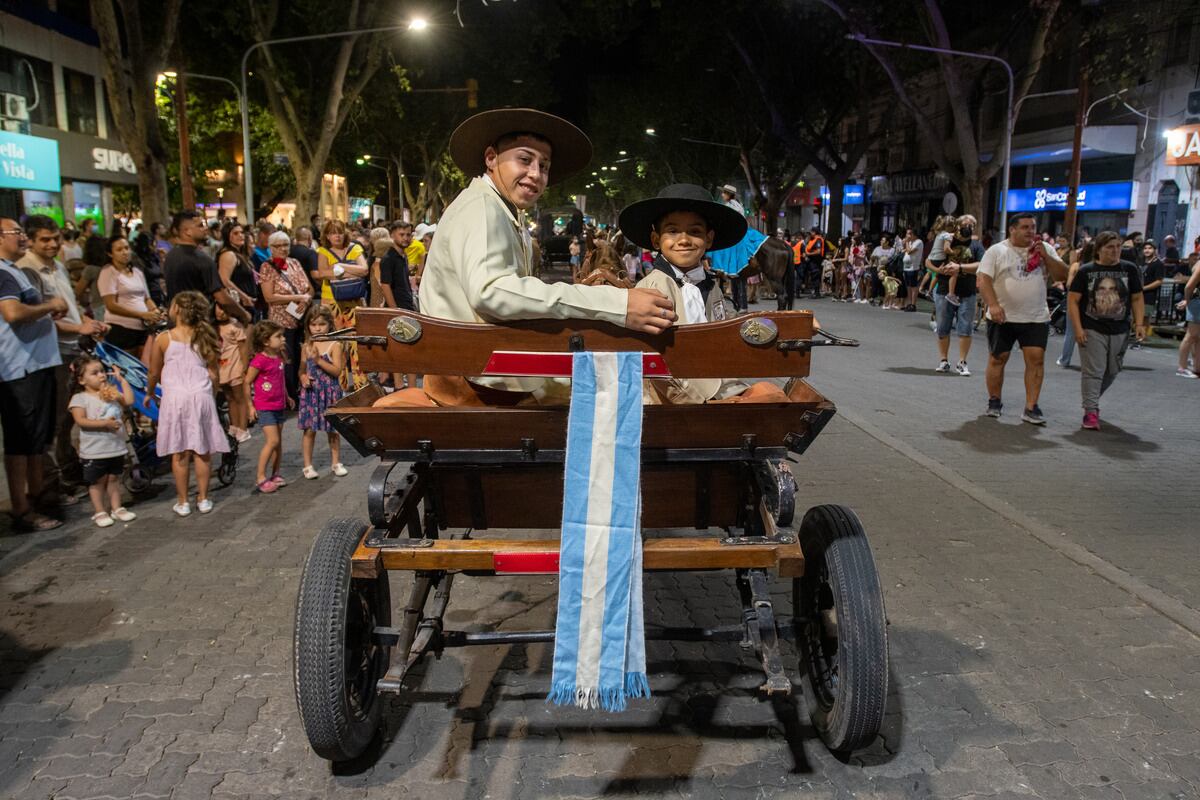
{"x":126,"y":296}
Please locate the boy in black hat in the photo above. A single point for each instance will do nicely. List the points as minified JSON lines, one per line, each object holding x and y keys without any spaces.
{"x":683,"y":223}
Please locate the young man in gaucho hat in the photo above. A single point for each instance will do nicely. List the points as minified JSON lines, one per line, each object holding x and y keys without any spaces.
{"x":682,"y":223}
{"x":479,"y":267}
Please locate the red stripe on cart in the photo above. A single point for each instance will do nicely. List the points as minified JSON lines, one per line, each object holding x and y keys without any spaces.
{"x":557,"y":365}
{"x":526,"y":563}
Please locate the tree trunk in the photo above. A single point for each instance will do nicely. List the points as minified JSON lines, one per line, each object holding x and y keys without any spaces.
{"x":308,"y":193}
{"x":129,"y":75}
{"x":973,"y":193}
{"x":837,"y":183}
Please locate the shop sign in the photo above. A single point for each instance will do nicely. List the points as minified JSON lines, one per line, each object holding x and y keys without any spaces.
{"x":1116,"y":196}
{"x":853,"y":194}
{"x":909,"y":186}
{"x":1183,"y":146}
{"x":29,"y":162}
{"x":105,"y":159}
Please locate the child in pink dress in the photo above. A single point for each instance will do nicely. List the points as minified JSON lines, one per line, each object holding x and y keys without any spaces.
{"x":184,"y":361}
{"x":269,"y":400}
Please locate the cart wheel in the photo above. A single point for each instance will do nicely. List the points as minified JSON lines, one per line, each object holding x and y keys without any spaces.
{"x":337,"y":662}
{"x":842,"y":629}
{"x":137,"y":479}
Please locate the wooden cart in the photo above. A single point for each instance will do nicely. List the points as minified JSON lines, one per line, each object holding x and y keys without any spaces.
{"x":449,"y":475}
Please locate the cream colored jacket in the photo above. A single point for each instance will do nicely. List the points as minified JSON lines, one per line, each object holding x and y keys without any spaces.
{"x":478,"y":270}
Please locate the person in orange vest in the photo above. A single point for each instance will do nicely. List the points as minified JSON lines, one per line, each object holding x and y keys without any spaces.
{"x":814,"y":257}
{"x":795,"y":277}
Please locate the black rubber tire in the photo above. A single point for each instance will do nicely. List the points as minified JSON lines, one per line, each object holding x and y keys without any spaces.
{"x":336,"y":665}
{"x":137,"y":479}
{"x":227,"y":469}
{"x":846,"y":674}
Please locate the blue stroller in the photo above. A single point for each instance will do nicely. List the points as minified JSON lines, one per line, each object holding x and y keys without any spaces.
{"x":142,"y":418}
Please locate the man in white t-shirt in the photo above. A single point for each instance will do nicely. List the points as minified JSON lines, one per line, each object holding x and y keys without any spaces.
{"x":1012,"y":282}
{"x":914,"y":259}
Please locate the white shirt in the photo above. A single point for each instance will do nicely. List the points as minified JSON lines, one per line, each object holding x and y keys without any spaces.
{"x":1022,"y":294}
{"x":693,"y":301}
{"x":736,"y":206}
{"x":57,"y":283}
{"x":912,"y":255}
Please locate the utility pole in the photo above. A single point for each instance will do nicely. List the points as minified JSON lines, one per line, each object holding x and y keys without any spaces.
{"x":185,"y":148}
{"x":1076,"y":157}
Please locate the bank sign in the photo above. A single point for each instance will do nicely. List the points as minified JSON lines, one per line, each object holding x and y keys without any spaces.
{"x":853,"y":194}
{"x":29,"y":162}
{"x":1091,"y":197}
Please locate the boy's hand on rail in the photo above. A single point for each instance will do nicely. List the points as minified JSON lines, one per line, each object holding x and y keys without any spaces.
{"x":649,"y":311}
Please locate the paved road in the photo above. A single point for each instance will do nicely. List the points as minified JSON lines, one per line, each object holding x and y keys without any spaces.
{"x":153,"y":660}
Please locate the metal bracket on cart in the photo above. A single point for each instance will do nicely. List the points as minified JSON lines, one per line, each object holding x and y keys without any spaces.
{"x":348,"y":335}
{"x":804,"y":345}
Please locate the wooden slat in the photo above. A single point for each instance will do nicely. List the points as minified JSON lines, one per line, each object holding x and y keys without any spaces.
{"x":709,"y":350}
{"x":691,"y":553}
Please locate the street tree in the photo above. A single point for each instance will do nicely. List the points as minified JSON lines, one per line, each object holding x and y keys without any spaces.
{"x":312,"y":88}
{"x":972,"y":156}
{"x":136,"y":39}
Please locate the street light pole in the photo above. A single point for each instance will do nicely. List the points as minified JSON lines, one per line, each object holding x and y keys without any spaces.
{"x":416,"y":25}
{"x":1008,"y":127}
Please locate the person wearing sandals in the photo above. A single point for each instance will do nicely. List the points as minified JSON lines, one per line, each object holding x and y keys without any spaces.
{"x":269,"y":400}
{"x":323,"y":363}
{"x":96,"y":409}
{"x":28,"y":357}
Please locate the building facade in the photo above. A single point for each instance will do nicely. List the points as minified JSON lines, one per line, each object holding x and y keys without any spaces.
{"x":58,"y":153}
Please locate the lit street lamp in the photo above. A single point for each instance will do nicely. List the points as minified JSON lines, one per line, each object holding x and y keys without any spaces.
{"x":1008,"y":127}
{"x":415,"y":24}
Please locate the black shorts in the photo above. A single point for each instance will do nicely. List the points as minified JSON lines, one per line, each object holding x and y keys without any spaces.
{"x":1001,"y":337}
{"x":912,"y":278}
{"x":27,"y":409}
{"x":128,"y":339}
{"x":96,"y":468}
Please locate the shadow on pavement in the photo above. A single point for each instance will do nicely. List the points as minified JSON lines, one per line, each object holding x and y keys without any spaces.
{"x":987,"y":435}
{"x":925,"y":372}
{"x":1114,"y":442}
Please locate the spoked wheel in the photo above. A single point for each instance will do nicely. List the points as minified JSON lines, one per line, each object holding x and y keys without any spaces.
{"x":842,"y":630}
{"x":337,"y":660}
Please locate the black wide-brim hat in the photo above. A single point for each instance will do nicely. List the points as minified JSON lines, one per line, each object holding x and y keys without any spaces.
{"x":570,"y":148}
{"x":638,"y":218}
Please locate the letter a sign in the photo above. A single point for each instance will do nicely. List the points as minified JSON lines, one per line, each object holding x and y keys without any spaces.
{"x":1183,"y":146}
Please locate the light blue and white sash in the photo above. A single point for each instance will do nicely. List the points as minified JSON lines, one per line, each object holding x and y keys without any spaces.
{"x":599,"y":643}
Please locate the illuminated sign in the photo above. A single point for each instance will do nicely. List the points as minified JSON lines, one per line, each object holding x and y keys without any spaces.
{"x":853,"y":194}
{"x":29,"y":162}
{"x":1183,"y":146}
{"x":1091,"y":197}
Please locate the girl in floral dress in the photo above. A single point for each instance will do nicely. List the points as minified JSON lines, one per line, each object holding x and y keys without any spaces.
{"x":319,"y":389}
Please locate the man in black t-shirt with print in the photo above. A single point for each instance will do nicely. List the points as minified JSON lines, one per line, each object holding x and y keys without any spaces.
{"x":188,"y":267}
{"x":1101,"y":299}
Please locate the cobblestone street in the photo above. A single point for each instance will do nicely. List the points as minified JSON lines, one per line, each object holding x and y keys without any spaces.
{"x":1041,"y":587}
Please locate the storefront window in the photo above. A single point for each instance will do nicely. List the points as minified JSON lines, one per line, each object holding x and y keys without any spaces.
{"x":48,"y":203}
{"x":33,"y":79}
{"x":87,"y":204}
{"x":81,"y":101}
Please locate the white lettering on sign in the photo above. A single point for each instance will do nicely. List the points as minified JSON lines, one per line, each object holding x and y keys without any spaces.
{"x":18,"y":171}
{"x":12,"y":150}
{"x":1183,"y":146}
{"x":108,"y":160}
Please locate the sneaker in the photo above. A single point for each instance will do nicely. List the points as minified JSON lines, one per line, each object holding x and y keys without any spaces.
{"x":1184,"y":372}
{"x":340,"y":471}
{"x":933,"y":325}
{"x":1033,"y":416}
{"x":182,"y":509}
{"x":943,"y":366}
{"x":995,"y":407}
{"x":310,"y":473}
{"x":267,"y":486}
{"x":953,"y":300}
{"x":1091,"y":420}
{"x":1063,"y":362}
{"x":102,"y":519}
{"x":124,"y":514}
{"x":242,"y":436}
{"x":962,"y":369}
{"x":204,"y":506}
